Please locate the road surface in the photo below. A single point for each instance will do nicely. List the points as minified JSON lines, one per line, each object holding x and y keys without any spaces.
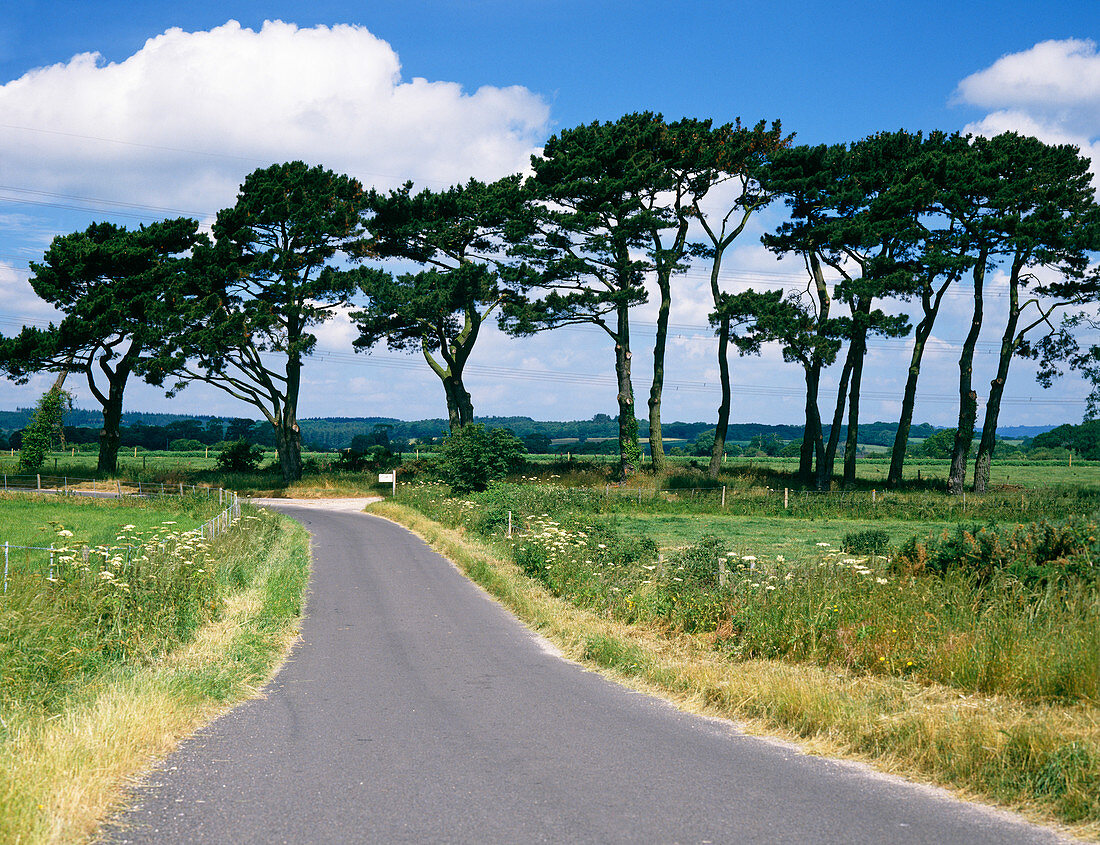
{"x":415,"y":709}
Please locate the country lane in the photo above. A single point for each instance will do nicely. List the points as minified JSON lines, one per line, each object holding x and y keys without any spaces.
{"x":416,"y":709}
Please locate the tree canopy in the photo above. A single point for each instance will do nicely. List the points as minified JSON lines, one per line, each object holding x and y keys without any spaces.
{"x":120,"y":291}
{"x":269,"y":275}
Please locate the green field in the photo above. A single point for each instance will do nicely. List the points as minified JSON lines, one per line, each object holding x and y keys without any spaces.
{"x":796,"y":540}
{"x":30,"y":520}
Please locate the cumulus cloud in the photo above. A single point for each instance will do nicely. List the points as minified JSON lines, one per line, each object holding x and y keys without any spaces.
{"x":1050,"y":91}
{"x":179,"y":123}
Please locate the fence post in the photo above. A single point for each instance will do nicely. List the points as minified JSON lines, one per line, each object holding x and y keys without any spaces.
{"x":723,"y":574}
{"x":118,"y":487}
{"x":5,"y":566}
{"x":66,"y":479}
{"x":874,"y":496}
{"x":723,"y":497}
{"x":181,"y":488}
{"x":509,"y":525}
{"x":38,"y":477}
{"x":51,"y":561}
{"x":786,"y":497}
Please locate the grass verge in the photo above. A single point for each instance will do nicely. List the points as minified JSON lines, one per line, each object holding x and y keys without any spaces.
{"x":64,"y":769}
{"x":1039,"y":759}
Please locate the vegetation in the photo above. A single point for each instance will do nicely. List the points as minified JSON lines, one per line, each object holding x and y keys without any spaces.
{"x":267,"y":277}
{"x":459,"y":236}
{"x":103,"y":672}
{"x":46,"y":430}
{"x":473,"y":456}
{"x":119,"y":290}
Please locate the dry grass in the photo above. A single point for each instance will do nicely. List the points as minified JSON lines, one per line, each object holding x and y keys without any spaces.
{"x":996,"y":749}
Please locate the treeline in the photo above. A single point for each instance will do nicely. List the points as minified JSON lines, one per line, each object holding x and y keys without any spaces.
{"x":608,"y":212}
{"x":180,"y":432}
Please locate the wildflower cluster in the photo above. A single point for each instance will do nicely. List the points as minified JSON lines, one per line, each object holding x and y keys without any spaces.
{"x":160,"y":578}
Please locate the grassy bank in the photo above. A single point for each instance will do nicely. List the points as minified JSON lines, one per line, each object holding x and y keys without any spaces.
{"x":103,"y":675}
{"x":988,"y":688}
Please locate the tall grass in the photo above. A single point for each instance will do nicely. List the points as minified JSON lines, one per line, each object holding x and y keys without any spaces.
{"x":979,"y":634}
{"x":98,"y":677}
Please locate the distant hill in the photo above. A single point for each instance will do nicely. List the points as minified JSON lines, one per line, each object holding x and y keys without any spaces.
{"x":1014,"y":431}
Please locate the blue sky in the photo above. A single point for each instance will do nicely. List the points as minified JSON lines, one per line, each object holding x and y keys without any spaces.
{"x":173,"y":125}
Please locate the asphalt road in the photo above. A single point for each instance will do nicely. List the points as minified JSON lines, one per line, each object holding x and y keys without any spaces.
{"x":415,"y":709}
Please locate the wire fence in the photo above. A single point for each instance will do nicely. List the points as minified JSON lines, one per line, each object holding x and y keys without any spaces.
{"x":49,"y":555}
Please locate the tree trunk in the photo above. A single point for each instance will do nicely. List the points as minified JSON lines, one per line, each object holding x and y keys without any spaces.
{"x":908,"y":402}
{"x":109,"y":437}
{"x":968,"y":399}
{"x":859,"y":345}
{"x":813,"y":445}
{"x":460,"y":408}
{"x":825,"y":466}
{"x":656,"y":442}
{"x":630,"y":453}
{"x":288,"y":442}
{"x":1009,"y":342}
{"x":984,"y":460}
{"x":931,"y":307}
{"x":288,"y":437}
{"x":454,"y":418}
{"x":719,"y":450}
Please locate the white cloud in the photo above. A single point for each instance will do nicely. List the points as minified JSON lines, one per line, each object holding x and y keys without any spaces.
{"x":179,"y":123}
{"x":1050,"y":91}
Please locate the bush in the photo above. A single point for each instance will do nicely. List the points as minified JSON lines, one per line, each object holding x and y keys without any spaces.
{"x":45,"y":430}
{"x":1034,"y":553}
{"x":185,"y":444}
{"x":873,"y":541}
{"x":372,"y":459}
{"x":240,"y":456}
{"x":473,"y":456}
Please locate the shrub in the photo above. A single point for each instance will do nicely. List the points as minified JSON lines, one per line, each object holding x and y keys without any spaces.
{"x":1033,"y":553}
{"x":873,"y":541}
{"x":46,"y":428}
{"x":240,"y":456}
{"x":473,"y":456}
{"x":369,"y":460}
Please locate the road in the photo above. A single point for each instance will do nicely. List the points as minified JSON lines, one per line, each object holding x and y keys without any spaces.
{"x":416,"y":709}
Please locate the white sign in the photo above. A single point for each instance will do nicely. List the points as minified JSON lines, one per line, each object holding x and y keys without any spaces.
{"x":385,"y":477}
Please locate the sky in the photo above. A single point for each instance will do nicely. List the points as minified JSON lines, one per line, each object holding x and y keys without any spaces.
{"x":132,"y":112}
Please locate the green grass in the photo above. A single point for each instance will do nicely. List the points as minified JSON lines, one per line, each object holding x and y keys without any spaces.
{"x":32,"y":520}
{"x":793,"y":538}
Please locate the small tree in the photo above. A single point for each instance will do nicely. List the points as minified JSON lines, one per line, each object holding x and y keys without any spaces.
{"x":240,"y":456}
{"x":473,"y":456}
{"x":47,"y":428}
